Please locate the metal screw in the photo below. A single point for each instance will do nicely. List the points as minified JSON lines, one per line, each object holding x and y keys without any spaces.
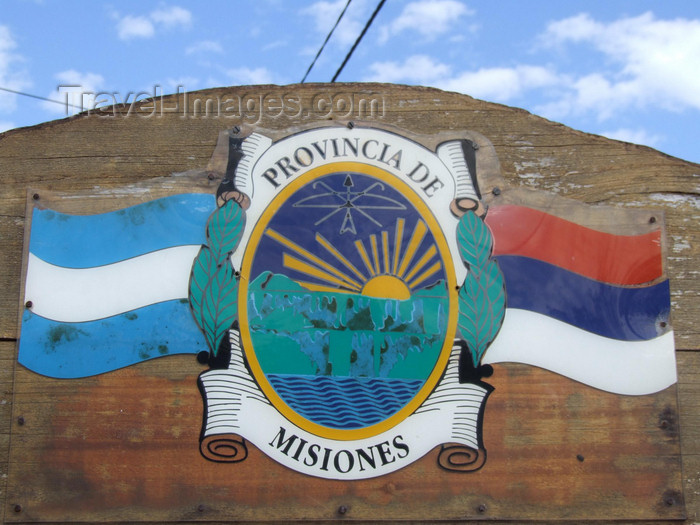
{"x":664,"y":424}
{"x":482,"y":508}
{"x":35,"y":196}
{"x":652,"y":220}
{"x":29,"y":304}
{"x":662,"y":324}
{"x":351,"y":125}
{"x":17,"y":507}
{"x":20,"y":420}
{"x":201,"y":508}
{"x":669,"y":501}
{"x":580,"y":457}
{"x":211,"y":176}
{"x":342,"y":509}
{"x":496,"y":191}
{"x":236,"y":129}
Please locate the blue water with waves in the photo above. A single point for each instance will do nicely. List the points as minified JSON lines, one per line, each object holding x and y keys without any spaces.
{"x":344,"y":402}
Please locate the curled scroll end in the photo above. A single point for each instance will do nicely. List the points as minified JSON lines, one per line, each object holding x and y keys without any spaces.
{"x":461,"y":458}
{"x":224,"y":448}
{"x":241,"y":198}
{"x":460,"y":206}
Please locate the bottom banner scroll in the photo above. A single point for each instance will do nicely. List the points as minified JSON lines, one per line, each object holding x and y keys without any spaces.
{"x":237,"y":410}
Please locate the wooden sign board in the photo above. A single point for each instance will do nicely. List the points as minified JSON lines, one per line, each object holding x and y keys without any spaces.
{"x":342,"y":320}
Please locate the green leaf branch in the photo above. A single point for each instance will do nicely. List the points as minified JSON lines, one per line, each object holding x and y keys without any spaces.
{"x":213,"y":289}
{"x":482,"y":297}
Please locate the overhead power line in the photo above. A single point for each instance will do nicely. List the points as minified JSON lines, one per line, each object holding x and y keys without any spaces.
{"x":359,"y":38}
{"x":326,"y":41}
{"x":64,"y":104}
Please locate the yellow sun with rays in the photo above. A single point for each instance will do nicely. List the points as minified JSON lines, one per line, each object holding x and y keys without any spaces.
{"x":388,"y":272}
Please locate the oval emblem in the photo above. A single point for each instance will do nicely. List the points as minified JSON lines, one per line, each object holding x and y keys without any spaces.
{"x":346,"y":301}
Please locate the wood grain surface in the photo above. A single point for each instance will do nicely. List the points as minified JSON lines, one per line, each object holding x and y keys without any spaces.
{"x":124,"y":446}
{"x":102,"y":449}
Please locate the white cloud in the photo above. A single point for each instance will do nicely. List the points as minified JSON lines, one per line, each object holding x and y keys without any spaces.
{"x":636,"y":136}
{"x":172,"y":16}
{"x":204,"y":47}
{"x":575,"y":28}
{"x":496,"y":84}
{"x":144,"y":26}
{"x":418,"y":68}
{"x":247,"y":76}
{"x":647,"y":63}
{"x":429,"y":18}
{"x":131,"y":27}
{"x":7,"y":46}
{"x":76,"y":89}
{"x":500,"y":84}
{"x":11,"y":75}
{"x":643,"y":62}
{"x":325,"y":15}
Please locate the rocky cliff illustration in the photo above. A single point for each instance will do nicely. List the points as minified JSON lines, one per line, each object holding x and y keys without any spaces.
{"x":315,"y":347}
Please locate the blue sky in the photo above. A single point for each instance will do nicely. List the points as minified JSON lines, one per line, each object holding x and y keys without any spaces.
{"x":624,"y":69}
